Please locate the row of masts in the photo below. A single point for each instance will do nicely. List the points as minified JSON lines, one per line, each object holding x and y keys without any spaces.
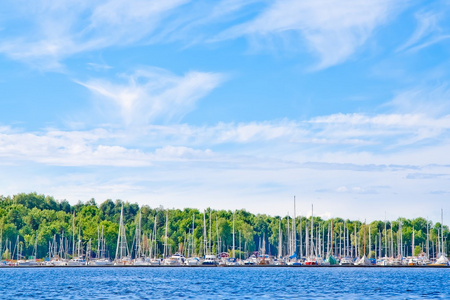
{"x":317,"y":244}
{"x":310,"y":241}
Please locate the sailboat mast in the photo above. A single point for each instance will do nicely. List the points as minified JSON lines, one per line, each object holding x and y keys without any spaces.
{"x":385,"y":236}
{"x":289,"y":245}
{"x":365,"y":225}
{"x":442,"y":231}
{"x":165,"y":235}
{"x":154,"y":237}
{"x":98,"y":242}
{"x":332,"y":230}
{"x":392,"y":242}
{"x":193,"y":228}
{"x":138,"y":237}
{"x":119,"y":235}
{"x":79,"y":241}
{"x":428,"y":241}
{"x":204,"y":232}
{"x":233,"y":236}
{"x":312,"y":234}
{"x":301,"y":237}
{"x":280,"y":243}
{"x":73,"y":234}
{"x":210,"y":217}
{"x":356,"y":241}
{"x":294,"y":229}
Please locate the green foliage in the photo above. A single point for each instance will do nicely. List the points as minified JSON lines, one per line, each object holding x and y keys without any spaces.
{"x":6,"y":254}
{"x":417,"y":250}
{"x":39,"y":219}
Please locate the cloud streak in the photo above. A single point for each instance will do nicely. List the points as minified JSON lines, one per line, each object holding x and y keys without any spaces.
{"x":428,"y":32}
{"x":56,"y":30}
{"x":153,"y":94}
{"x":333,"y":30}
{"x":50,"y":32}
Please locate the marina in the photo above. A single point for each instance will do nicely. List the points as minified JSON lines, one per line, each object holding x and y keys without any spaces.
{"x":203,"y":241}
{"x":228,"y":149}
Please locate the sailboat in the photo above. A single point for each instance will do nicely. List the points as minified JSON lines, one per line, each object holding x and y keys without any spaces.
{"x":311,"y":259}
{"x":364,"y":261}
{"x":154,"y":246}
{"x":122,"y":252}
{"x":78,"y":260}
{"x":442,"y":260}
{"x":101,"y":260}
{"x":31,"y":262}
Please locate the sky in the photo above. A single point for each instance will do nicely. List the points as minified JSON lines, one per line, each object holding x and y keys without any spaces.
{"x":229,"y":104}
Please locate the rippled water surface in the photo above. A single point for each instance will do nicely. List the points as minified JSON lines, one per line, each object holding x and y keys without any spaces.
{"x":213,"y":283}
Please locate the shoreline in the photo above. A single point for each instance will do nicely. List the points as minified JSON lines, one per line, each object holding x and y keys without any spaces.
{"x":206,"y":266}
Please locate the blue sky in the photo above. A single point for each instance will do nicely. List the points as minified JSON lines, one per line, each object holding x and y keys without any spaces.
{"x":229,"y":104}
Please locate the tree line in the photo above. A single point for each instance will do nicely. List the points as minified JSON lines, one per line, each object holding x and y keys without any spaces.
{"x":32,"y":221}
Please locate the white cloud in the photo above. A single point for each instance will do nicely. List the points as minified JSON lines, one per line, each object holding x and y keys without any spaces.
{"x":153,"y":94}
{"x":333,"y":30}
{"x":428,"y":31}
{"x":50,"y":31}
{"x":184,"y":166}
{"x":45,"y":32}
{"x":86,"y":148}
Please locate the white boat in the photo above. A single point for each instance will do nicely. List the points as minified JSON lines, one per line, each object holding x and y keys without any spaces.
{"x":28,"y":263}
{"x":441,"y":261}
{"x":364,"y":261}
{"x":56,"y":262}
{"x":252,"y":260}
{"x":346,"y":261}
{"x":279,"y":262}
{"x":210,"y":260}
{"x":101,"y":262}
{"x":76,"y":262}
{"x":175,"y":260}
{"x":411,"y":261}
{"x":394,"y":262}
{"x":231,"y":262}
{"x":192,"y":261}
{"x":384,"y":261}
{"x":155,"y":262}
{"x":141,"y":261}
{"x":123,"y":261}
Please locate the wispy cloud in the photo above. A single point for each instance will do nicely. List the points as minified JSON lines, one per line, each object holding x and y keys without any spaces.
{"x":153,"y":94}
{"x":428,"y":32}
{"x":333,"y":30}
{"x":47,"y":31}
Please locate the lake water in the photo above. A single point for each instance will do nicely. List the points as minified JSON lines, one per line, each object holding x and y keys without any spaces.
{"x":229,"y":283}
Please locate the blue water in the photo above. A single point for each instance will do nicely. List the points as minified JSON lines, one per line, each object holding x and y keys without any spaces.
{"x":229,"y":283}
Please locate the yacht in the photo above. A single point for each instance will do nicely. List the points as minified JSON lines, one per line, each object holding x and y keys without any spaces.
{"x":346,"y":261}
{"x":210,"y":260}
{"x":231,"y":261}
{"x":311,"y":261}
{"x":192,"y":261}
{"x":101,"y":262}
{"x":175,"y":260}
{"x":76,"y":262}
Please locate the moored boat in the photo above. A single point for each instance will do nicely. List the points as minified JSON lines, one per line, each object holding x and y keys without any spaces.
{"x":210,"y":260}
